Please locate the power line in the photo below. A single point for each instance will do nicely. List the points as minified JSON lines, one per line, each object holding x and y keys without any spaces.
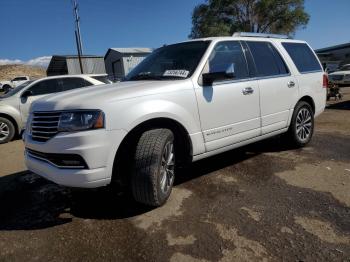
{"x":77,"y":33}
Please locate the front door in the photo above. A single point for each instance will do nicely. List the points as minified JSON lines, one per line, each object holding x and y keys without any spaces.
{"x":229,"y":108}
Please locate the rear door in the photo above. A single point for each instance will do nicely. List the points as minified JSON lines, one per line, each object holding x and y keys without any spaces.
{"x":229,"y":108}
{"x":278,"y":88}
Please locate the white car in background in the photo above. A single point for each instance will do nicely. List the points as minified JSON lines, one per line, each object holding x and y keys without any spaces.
{"x":5,"y":86}
{"x":341,"y":77}
{"x":15,"y":105}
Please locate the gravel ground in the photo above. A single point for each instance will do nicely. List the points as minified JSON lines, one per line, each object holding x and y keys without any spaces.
{"x":261,"y":202}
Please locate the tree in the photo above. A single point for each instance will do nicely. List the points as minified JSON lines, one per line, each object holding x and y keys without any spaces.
{"x":224,"y":17}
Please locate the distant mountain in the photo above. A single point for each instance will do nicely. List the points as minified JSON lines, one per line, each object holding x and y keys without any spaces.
{"x":7,"y":72}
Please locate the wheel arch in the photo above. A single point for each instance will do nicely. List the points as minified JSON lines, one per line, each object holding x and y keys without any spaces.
{"x":13,"y":121}
{"x":309,"y":100}
{"x":122,"y":157}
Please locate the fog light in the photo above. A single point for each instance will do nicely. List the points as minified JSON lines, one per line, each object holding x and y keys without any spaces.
{"x":72,"y":163}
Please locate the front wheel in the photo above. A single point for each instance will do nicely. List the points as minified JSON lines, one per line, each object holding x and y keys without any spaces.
{"x":154,"y":167}
{"x":302,"y":125}
{"x":6,"y":89}
{"x":7,"y":130}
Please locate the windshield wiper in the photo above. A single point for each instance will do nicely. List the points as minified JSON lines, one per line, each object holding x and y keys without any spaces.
{"x":145,"y":77}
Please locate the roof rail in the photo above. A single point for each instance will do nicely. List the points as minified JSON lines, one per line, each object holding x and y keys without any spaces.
{"x":249,"y":34}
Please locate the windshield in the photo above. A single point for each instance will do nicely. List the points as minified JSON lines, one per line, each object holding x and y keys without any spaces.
{"x":177,"y":61}
{"x":16,"y":89}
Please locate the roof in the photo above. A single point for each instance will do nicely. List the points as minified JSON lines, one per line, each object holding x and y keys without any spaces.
{"x":76,"y":56}
{"x":69,"y":76}
{"x":333,"y":48}
{"x":244,"y":38}
{"x":130,"y":50}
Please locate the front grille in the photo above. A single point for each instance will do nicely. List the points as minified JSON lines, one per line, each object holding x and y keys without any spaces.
{"x":44,"y":125}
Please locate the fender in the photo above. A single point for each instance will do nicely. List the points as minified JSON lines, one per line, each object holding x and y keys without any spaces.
{"x":11,"y":112}
{"x":182,"y":108}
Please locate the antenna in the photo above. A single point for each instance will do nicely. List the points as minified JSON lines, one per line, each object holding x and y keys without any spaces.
{"x":77,"y":33}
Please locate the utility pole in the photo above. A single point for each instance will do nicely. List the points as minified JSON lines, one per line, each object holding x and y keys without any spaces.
{"x":77,"y":33}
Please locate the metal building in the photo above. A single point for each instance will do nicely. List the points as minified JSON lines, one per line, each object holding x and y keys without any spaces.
{"x":334,"y":56}
{"x":120,"y":61}
{"x":69,"y":65}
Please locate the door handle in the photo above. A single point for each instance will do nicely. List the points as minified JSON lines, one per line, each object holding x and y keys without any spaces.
{"x":291,"y":84}
{"x":248,"y":91}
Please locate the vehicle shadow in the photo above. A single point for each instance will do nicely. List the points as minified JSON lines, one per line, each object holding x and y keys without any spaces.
{"x":29,"y":202}
{"x":343,"y":105}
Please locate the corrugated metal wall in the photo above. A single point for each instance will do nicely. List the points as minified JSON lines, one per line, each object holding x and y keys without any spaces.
{"x":130,"y":62}
{"x":90,"y":66}
{"x":119,"y":64}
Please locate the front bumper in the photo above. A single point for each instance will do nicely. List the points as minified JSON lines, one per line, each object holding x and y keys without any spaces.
{"x":97,"y":147}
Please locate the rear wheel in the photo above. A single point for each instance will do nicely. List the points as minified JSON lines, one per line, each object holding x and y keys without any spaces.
{"x":302,"y":125}
{"x":154,"y":167}
{"x":7,"y":130}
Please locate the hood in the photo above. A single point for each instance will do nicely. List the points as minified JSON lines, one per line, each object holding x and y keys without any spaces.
{"x":96,"y":97}
{"x":340,"y":73}
{"x":7,"y":99}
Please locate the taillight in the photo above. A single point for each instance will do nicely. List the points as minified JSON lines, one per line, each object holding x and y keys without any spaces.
{"x":325,"y":81}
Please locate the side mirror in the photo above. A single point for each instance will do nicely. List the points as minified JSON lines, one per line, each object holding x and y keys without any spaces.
{"x":27,"y":94}
{"x":210,"y":78}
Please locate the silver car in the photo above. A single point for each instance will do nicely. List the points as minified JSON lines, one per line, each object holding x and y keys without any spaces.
{"x":14,"y":105}
{"x":341,"y":77}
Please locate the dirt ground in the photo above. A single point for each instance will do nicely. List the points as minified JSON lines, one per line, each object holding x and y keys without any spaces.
{"x":264,"y":202}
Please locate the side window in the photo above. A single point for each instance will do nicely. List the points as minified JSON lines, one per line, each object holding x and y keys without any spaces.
{"x":45,"y":87}
{"x":267,"y":60}
{"x":228,"y":56}
{"x":73,"y":83}
{"x":303,"y":58}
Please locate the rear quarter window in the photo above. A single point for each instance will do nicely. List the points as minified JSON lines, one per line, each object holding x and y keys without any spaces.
{"x":303,"y":57}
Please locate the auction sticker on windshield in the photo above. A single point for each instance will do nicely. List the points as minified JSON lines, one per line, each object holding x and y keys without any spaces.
{"x":177,"y":73}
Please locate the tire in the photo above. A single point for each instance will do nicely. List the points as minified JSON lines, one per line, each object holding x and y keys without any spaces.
{"x":154,"y":167}
{"x":301,"y":127}
{"x":7,"y":130}
{"x":6,"y":88}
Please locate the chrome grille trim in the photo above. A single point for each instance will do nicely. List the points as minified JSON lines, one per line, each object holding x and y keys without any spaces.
{"x":44,"y":125}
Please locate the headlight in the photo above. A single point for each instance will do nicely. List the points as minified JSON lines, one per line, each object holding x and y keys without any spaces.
{"x":81,"y":120}
{"x":29,"y":124}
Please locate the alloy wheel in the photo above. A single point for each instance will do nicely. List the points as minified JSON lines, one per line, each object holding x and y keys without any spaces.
{"x":4,"y":131}
{"x":167,"y":170}
{"x":304,"y":124}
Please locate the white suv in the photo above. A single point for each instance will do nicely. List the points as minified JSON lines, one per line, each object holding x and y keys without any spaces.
{"x":184,"y":102}
{"x":7,"y":85}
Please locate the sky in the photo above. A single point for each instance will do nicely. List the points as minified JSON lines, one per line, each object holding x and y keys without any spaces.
{"x":33,"y":30}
